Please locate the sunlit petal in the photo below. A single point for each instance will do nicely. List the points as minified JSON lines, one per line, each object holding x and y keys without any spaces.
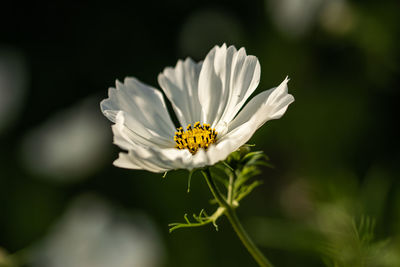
{"x":268,"y":105}
{"x":148,"y":114}
{"x":180,"y":85}
{"x":227,"y":79}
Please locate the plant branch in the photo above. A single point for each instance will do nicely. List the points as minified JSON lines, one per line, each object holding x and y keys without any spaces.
{"x":229,"y":211}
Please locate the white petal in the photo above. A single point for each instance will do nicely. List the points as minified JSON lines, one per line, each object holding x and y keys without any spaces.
{"x":144,"y":106}
{"x":124,"y":161}
{"x":215,"y":153}
{"x":131,"y":161}
{"x":221,"y":150}
{"x":227,"y":79}
{"x":268,"y":105}
{"x":155,"y":159}
{"x":245,"y":77}
{"x":145,"y":154}
{"x":125,"y":138}
{"x":212,"y":93}
{"x":200,"y":159}
{"x":180,"y":85}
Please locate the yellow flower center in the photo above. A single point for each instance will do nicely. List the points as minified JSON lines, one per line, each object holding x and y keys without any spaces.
{"x":200,"y":136}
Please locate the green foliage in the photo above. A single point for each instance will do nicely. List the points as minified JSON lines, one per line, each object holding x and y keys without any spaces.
{"x":352,"y":244}
{"x":235,"y":175}
{"x":200,"y":220}
{"x":239,"y":168}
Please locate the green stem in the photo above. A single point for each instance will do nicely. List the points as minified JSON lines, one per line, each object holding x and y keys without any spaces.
{"x":230,"y":190}
{"x":233,"y":219}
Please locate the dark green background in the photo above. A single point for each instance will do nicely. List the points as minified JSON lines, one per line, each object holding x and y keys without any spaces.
{"x":337,"y":141}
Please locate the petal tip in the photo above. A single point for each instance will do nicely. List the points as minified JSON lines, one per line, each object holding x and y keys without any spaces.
{"x":287,"y":79}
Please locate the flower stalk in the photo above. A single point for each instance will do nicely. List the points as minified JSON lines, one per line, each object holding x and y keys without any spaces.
{"x":229,"y":211}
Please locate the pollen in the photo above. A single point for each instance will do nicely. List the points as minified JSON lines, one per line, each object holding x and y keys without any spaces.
{"x":196,"y":137}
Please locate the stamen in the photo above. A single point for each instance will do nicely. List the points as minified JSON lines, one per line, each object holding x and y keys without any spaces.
{"x":200,"y":136}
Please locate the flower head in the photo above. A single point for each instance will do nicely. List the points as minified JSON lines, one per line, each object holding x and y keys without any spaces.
{"x":208,"y":99}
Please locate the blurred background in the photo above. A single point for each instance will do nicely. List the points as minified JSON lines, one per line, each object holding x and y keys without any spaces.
{"x":332,"y":198}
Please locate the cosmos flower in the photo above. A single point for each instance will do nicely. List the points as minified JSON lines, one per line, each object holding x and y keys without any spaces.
{"x":208,"y":99}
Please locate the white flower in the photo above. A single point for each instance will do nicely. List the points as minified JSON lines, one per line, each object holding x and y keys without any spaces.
{"x":210,"y":92}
